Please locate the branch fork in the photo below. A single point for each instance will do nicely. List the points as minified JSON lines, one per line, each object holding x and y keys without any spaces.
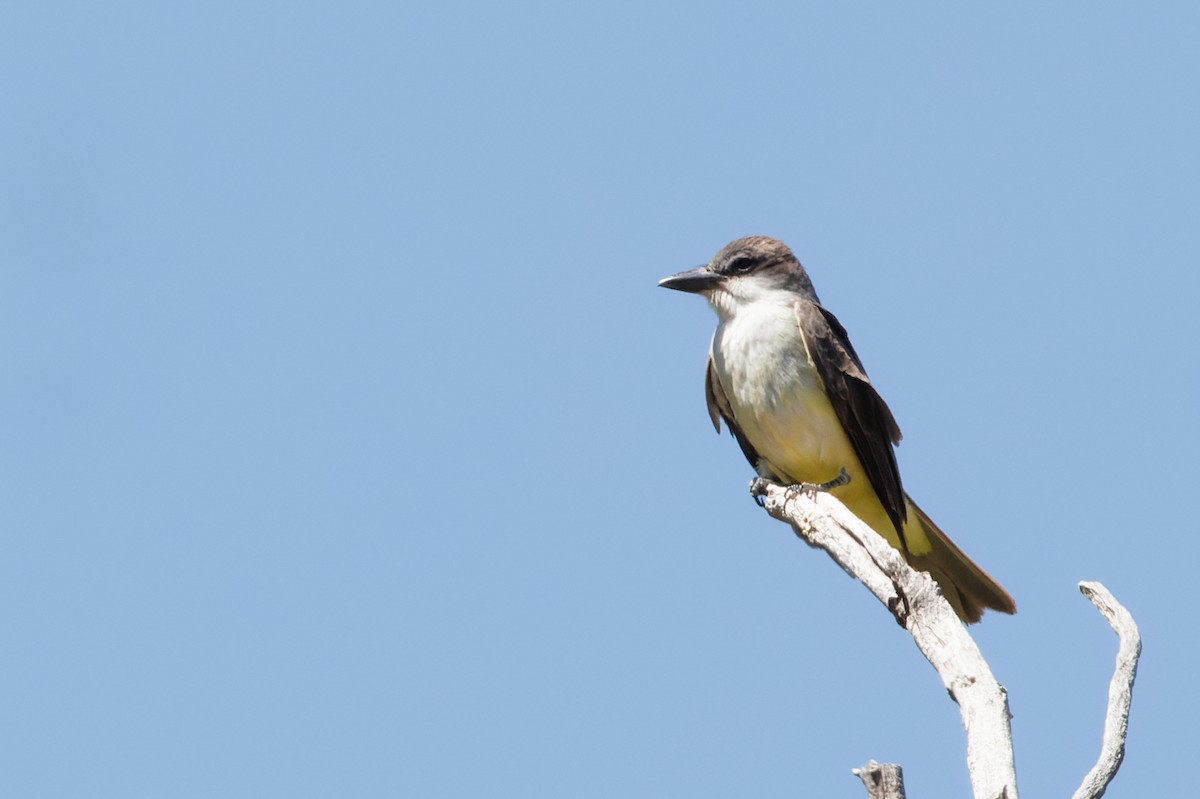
{"x":914,"y":599}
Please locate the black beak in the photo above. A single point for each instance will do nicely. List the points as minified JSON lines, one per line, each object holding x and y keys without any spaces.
{"x":693,"y":281}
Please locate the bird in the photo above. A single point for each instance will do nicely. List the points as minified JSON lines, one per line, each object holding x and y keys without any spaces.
{"x":784,"y":377}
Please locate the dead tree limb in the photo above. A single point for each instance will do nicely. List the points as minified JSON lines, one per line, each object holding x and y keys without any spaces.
{"x":915,"y":600}
{"x":883,"y":780}
{"x":1120,"y":691}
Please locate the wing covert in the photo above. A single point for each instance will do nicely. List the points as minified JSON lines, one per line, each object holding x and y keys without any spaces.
{"x":864,"y":415}
{"x":719,"y":408}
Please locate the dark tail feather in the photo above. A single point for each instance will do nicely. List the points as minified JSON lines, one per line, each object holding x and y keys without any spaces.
{"x":967,"y":588}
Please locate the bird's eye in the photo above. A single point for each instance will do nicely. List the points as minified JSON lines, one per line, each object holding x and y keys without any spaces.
{"x":742,"y":265}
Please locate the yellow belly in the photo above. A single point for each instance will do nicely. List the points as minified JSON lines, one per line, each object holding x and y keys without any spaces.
{"x":801,"y":440}
{"x":779,"y":402}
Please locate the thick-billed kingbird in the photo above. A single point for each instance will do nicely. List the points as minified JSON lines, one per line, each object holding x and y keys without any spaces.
{"x":783,"y":375}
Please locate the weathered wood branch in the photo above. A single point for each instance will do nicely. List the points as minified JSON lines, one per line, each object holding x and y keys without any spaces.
{"x":883,"y":780}
{"x":914,"y":599}
{"x":1120,"y":690}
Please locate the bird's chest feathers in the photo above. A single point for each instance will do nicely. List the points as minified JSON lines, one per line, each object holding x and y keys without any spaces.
{"x":775,"y":392}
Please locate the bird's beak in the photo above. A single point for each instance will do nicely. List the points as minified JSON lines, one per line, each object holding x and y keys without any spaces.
{"x":694,"y":281}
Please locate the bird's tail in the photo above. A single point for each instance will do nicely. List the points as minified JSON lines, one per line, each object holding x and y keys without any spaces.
{"x":967,"y":588}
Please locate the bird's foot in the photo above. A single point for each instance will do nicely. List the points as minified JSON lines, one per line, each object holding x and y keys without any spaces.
{"x":758,"y":487}
{"x":812,"y":489}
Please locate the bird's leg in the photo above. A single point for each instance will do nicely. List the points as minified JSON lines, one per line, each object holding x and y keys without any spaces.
{"x":758,"y":487}
{"x":812,"y":489}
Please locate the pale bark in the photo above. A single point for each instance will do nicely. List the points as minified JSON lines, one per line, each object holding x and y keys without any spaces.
{"x":882,"y":780}
{"x":916,"y":602}
{"x":1120,"y":691}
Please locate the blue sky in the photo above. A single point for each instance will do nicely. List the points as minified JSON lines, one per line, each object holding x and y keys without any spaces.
{"x":352,"y":451}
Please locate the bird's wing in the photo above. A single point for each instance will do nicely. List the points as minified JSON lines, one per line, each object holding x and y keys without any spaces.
{"x":864,"y":415}
{"x":719,"y":408}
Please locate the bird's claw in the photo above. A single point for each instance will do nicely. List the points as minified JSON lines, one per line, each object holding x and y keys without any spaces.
{"x":812,"y":489}
{"x":758,"y":487}
{"x":758,"y":490}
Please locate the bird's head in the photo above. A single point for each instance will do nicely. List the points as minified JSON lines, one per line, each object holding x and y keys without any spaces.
{"x":746,"y":271}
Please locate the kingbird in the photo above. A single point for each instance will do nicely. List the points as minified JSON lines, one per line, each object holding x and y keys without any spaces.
{"x":783,"y":375}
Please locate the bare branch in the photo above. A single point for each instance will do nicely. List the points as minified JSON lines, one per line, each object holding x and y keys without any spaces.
{"x":1120,"y":691}
{"x":915,"y":600}
{"x":883,"y":780}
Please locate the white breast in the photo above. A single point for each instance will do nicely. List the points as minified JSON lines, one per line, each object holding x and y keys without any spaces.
{"x":776,"y":395}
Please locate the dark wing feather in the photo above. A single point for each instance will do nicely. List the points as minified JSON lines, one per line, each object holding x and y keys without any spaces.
{"x":719,"y":408}
{"x":863,"y":413}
